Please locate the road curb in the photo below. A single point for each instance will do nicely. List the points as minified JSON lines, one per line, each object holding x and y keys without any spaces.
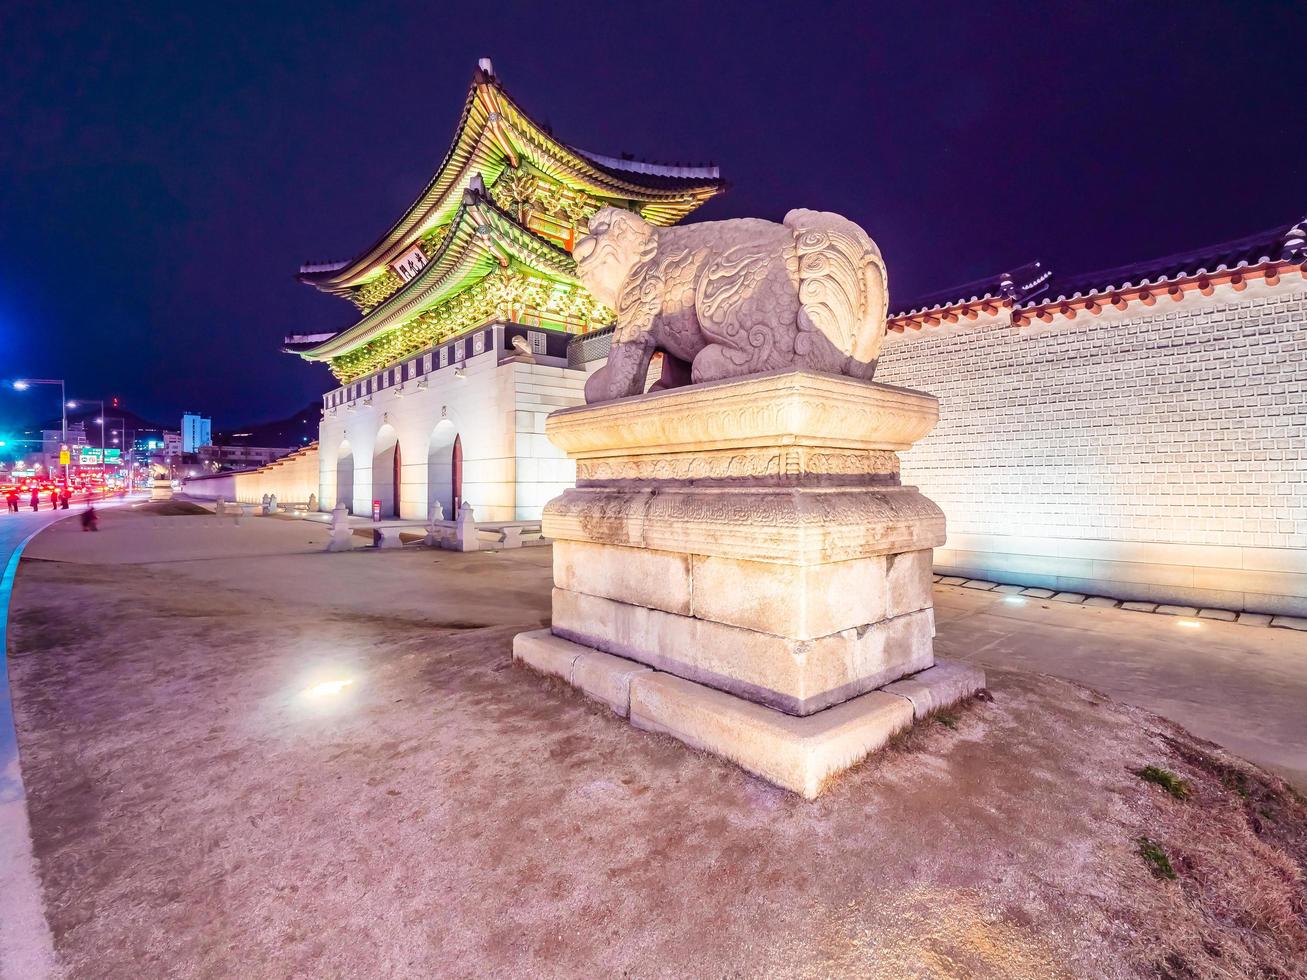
{"x":26,"y":946}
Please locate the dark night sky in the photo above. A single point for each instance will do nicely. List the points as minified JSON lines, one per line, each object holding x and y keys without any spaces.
{"x":164,"y":169}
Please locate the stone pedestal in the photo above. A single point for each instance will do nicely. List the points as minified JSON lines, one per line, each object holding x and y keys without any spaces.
{"x":751,"y":539}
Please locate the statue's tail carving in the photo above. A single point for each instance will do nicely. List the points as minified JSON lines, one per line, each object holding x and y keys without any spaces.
{"x":843,"y":290}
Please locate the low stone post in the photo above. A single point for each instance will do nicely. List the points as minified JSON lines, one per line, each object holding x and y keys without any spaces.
{"x":465,"y":532}
{"x":313,"y":503}
{"x":434,"y":534}
{"x":272,"y":503}
{"x":342,"y":538}
{"x":219,"y":507}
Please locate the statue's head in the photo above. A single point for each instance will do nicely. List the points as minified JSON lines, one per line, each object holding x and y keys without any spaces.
{"x":616,"y":242}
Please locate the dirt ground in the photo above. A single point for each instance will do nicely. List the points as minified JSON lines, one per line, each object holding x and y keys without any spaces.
{"x":246,"y":757}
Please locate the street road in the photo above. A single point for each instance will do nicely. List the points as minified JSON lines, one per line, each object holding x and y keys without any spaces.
{"x":25,"y":946}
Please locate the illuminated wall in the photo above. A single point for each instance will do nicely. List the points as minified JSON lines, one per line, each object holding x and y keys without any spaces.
{"x":292,"y":478}
{"x":1157,"y":454}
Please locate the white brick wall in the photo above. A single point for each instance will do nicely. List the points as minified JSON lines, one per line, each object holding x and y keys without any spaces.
{"x":1157,"y":453}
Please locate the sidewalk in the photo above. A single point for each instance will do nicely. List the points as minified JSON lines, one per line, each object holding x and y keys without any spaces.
{"x":1243,"y":687}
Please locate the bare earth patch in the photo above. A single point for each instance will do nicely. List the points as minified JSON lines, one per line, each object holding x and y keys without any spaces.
{"x":233,"y":773}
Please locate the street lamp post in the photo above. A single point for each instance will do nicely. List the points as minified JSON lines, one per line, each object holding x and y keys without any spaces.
{"x":22,"y":384}
{"x":131,"y":456}
{"x":98,"y":401}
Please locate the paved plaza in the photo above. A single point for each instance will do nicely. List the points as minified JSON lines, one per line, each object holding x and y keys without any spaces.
{"x":246,"y":756}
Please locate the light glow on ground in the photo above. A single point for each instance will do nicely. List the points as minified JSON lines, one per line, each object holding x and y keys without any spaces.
{"x":328,"y":688}
{"x":1191,"y":624}
{"x":1016,"y":600}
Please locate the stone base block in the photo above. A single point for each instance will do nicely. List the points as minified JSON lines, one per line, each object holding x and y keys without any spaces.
{"x":599,"y":675}
{"x":799,"y":677}
{"x":947,"y":683}
{"x":796,"y":753}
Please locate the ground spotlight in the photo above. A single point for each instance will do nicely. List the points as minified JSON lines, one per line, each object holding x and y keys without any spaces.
{"x":329,"y":688}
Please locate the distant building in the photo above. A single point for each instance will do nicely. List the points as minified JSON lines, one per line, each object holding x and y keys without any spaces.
{"x":240,"y":457}
{"x":196,"y":432}
{"x":172,"y":443}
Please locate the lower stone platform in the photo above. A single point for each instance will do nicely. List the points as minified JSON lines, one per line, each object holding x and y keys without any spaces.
{"x":797,"y":753}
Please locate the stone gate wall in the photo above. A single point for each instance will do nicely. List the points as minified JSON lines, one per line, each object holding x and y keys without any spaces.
{"x":1158,"y":453}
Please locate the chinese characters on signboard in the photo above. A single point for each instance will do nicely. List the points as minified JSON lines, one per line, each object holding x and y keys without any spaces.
{"x":410,"y":263}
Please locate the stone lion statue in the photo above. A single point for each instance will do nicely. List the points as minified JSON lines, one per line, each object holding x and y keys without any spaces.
{"x":724,"y":299}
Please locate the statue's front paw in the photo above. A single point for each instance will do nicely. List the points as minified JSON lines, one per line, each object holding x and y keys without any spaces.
{"x":597,"y":387}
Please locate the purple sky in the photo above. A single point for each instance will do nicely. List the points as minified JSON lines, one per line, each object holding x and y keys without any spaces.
{"x":165,"y":168}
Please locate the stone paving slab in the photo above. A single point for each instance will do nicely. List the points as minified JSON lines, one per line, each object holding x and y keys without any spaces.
{"x":1101,"y":602}
{"x":1290,"y":623}
{"x":1009,"y":589}
{"x":1224,"y":615}
{"x":1169,"y":610}
{"x":1073,"y":597}
{"x":1039,"y":593}
{"x":1254,"y":619}
{"x":980,"y":584}
{"x":1140,"y":606}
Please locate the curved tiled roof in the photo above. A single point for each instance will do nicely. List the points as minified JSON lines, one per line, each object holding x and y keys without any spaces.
{"x":1279,"y":244}
{"x":1033,"y":285}
{"x":482,"y":237}
{"x":493,"y":133}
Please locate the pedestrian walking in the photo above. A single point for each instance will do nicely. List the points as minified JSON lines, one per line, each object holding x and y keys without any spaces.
{"x":64,"y":497}
{"x":36,"y":499}
{"x":54,"y":499}
{"x":12,"y":499}
{"x":90,"y":522}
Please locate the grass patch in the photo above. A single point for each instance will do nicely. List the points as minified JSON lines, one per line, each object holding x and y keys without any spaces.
{"x":1166,"y":779}
{"x":947,"y":719}
{"x":1233,"y":779}
{"x":1156,"y":859}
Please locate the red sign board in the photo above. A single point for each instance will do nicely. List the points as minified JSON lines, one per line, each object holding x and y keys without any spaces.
{"x":376,"y":510}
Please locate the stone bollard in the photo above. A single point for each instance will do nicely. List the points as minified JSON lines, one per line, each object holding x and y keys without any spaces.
{"x":313,"y":503}
{"x":237,"y":511}
{"x":219,"y":506}
{"x":263,"y":504}
{"x":465,"y":533}
{"x":341,"y":535}
{"x":434,"y":534}
{"x":272,"y":503}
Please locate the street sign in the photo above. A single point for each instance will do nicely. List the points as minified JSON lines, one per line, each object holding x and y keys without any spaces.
{"x":65,"y":457}
{"x":90,"y":456}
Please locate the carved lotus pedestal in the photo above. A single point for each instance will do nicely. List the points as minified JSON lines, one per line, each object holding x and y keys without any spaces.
{"x":740,"y":567}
